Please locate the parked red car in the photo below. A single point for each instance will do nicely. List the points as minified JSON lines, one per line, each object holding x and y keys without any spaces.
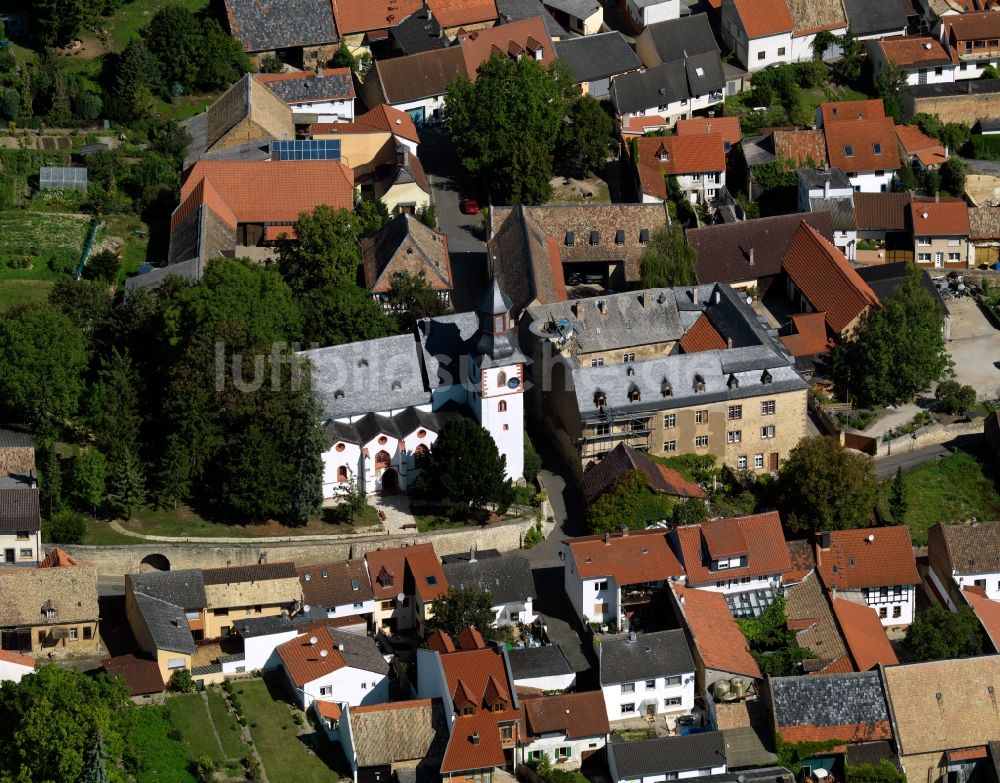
{"x":469,"y":206}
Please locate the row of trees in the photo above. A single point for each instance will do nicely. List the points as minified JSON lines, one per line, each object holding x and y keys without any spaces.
{"x":519,"y":122}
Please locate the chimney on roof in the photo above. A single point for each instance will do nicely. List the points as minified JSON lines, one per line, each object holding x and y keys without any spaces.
{"x":709,"y":126}
{"x":579,"y":311}
{"x":946,"y":151}
{"x":751,"y":255}
{"x":694,"y":294}
{"x":607,"y":539}
{"x":474,"y":739}
{"x":729,"y":342}
{"x":472,"y":554}
{"x":826,"y":187}
{"x":602,"y":305}
{"x":644,"y":300}
{"x":624,"y":531}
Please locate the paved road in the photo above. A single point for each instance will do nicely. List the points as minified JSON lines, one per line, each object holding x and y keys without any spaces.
{"x":887,"y":466}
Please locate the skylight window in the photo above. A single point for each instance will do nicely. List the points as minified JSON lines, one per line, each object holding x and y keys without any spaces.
{"x":848,"y":150}
{"x":877,"y":148}
{"x":431,"y":580}
{"x":699,"y":71}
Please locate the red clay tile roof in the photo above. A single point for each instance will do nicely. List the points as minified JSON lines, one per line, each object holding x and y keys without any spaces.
{"x":57,"y":558}
{"x":359,"y":16}
{"x":524,"y":35}
{"x":702,"y":336}
{"x":718,"y":640}
{"x":840,"y":665}
{"x":727,"y":127}
{"x":470,"y":639}
{"x":862,"y":145}
{"x":940,"y":218}
{"x":474,"y":744}
{"x":801,"y":146}
{"x":917,"y":143}
{"x":820,"y":271}
{"x":577,"y":715}
{"x":850,"y":732}
{"x":810,"y":335}
{"x":455,"y":13}
{"x":632,"y":557}
{"x":801,"y":554}
{"x":764,"y":17}
{"x":854,"y":562}
{"x":691,"y":154}
{"x":303,"y":660}
{"x":835,"y":111}
{"x":881,"y":211}
{"x":987,"y":611}
{"x":267,"y":191}
{"x":381,"y":119}
{"x":406,"y":569}
{"x":141,"y":675}
{"x":967,"y":754}
{"x":20,"y":660}
{"x":328,"y":709}
{"x":471,"y":671}
{"x":636,"y":126}
{"x":973,"y":26}
{"x":723,"y":538}
{"x":441,"y":642}
{"x":911,"y":51}
{"x":767,"y":553}
{"x":864,"y":634}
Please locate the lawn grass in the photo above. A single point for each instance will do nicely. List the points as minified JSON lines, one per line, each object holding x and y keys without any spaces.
{"x":18,"y":292}
{"x":101,"y":534}
{"x":285,"y":756}
{"x":161,"y":758}
{"x":40,"y":234}
{"x":952,"y":489}
{"x":134,"y":15}
{"x":183,"y":107}
{"x":226,"y":725}
{"x":185,"y":522}
{"x":190,"y":717}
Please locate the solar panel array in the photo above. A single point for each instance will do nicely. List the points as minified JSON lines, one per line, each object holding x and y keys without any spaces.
{"x":306,"y":149}
{"x":62,"y":178}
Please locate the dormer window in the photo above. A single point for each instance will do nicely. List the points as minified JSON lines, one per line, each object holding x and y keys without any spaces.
{"x":307,"y":577}
{"x":355,"y":584}
{"x":339,"y":394}
{"x":362,"y":363}
{"x":468,"y":710}
{"x":600,"y":399}
{"x":634,"y":395}
{"x":664,"y":155}
{"x":666,"y":389}
{"x":733,"y":382}
{"x":498,"y":324}
{"x":630,"y":371}
{"x":765,"y":377}
{"x":397,"y":385}
{"x":699,"y":383}
{"x":499,"y":706}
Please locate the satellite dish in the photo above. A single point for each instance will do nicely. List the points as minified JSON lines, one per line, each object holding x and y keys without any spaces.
{"x":749,"y":300}
{"x":323,"y":653}
{"x":401,"y":597}
{"x":306,"y":608}
{"x":313,"y":640}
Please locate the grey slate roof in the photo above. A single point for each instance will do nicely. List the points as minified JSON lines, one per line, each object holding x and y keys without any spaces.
{"x":867,"y":18}
{"x":815,"y":179}
{"x":531,"y":662}
{"x":841,"y":211}
{"x":281,"y":24}
{"x":360,"y":652}
{"x":629,"y":319}
{"x":184,"y":588}
{"x":311,"y":87}
{"x":677,"y":39}
{"x":668,"y":754}
{"x":417,"y":33}
{"x":167,"y":624}
{"x":830,"y":700}
{"x":884,"y":279}
{"x":19,"y":510}
{"x":667,"y":83}
{"x":11,"y":439}
{"x":593,"y":57}
{"x":264,"y":626}
{"x":373,"y":375}
{"x":506,"y":578}
{"x":515,"y":10}
{"x":581,"y":9}
{"x":659,"y":654}
{"x":190,"y":270}
{"x":962,"y":87}
{"x":400,"y":425}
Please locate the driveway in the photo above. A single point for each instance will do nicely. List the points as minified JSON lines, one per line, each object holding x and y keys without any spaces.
{"x":975,"y":347}
{"x":465,"y":240}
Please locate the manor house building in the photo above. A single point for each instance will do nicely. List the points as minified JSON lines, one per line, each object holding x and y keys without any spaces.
{"x":668,"y":372}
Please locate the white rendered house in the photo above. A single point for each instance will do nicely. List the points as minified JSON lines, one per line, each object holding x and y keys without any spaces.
{"x":646,"y":675}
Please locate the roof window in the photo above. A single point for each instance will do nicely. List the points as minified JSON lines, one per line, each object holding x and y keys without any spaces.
{"x":620,"y":236}
{"x":849,"y":150}
{"x":699,"y":71}
{"x":307,"y":577}
{"x":733,"y":382}
{"x":634,"y":395}
{"x":325,"y":573}
{"x":643,"y":236}
{"x":877,"y":148}
{"x":699,"y":383}
{"x":595,"y":237}
{"x":570,"y":238}
{"x":355,"y":584}
{"x":431,"y":580}
{"x":339,"y":394}
{"x":765,"y":377}
{"x":362,"y":362}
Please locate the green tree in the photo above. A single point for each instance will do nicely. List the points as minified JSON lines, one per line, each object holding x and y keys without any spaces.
{"x":891,"y":87}
{"x":50,"y":484}
{"x":58,"y":21}
{"x":585,"y":138}
{"x":65,"y":527}
{"x":412,"y":298}
{"x":618,"y":507}
{"x":89,"y":105}
{"x":181,"y":681}
{"x":344,"y":58}
{"x":953,"y":397}
{"x":127,"y":484}
{"x":136,"y":76}
{"x":222,"y":58}
{"x":89,"y":478}
{"x":102,"y":266}
{"x":822,"y":42}
{"x":953,"y":176}
{"x":668,"y":260}
{"x":271,"y":64}
{"x":772,"y":645}
{"x":352,"y":501}
{"x":690,"y":511}
{"x":907,"y":178}
{"x":325,"y":250}
{"x":372,"y":215}
{"x":113,"y":406}
{"x":847,"y":69}
{"x":43,"y":356}
{"x":10,"y":103}
{"x":49,"y":719}
{"x":937,"y":634}
{"x":95,"y":768}
{"x":532,"y":461}
{"x":459,"y":608}
{"x":506,"y":121}
{"x":428,"y":215}
{"x":823,"y":486}
{"x":465,"y":467}
{"x":174,"y":37}
{"x":898,"y":504}
{"x":898,"y":349}
{"x":86,"y":303}
{"x":337,"y":315}
{"x":990,"y":72}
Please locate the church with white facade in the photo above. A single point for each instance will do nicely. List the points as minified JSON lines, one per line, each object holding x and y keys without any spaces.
{"x":384,"y":401}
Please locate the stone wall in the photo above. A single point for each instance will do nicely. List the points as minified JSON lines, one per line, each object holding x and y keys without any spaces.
{"x":954,"y":107}
{"x":119,"y":560}
{"x":929,"y":436}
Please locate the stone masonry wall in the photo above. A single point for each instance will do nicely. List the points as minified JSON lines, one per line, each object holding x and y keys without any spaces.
{"x":119,"y":560}
{"x":928,"y":436}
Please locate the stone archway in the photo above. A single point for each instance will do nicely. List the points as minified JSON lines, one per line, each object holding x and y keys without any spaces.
{"x":390,"y":482}
{"x":154,"y":562}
